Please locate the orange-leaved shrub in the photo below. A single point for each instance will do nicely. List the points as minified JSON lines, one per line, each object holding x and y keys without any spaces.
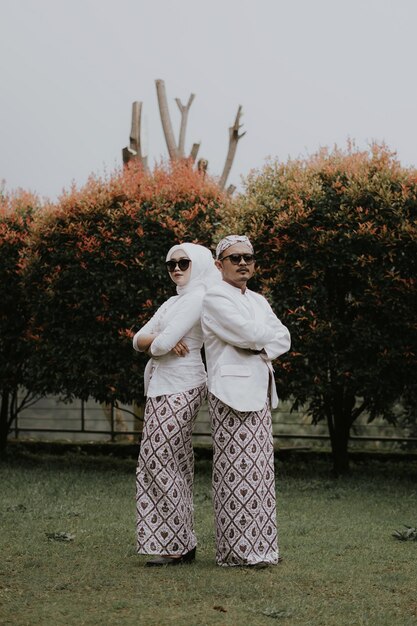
{"x":95,"y":272}
{"x":17,"y":211}
{"x":335,"y":237}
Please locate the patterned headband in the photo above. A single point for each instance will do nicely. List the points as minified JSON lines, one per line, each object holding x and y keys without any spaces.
{"x":230,"y":240}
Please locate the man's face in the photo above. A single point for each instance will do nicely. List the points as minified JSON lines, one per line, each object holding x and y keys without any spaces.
{"x":236,"y":274}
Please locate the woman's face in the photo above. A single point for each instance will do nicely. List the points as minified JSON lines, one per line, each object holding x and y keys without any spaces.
{"x":179,"y":276}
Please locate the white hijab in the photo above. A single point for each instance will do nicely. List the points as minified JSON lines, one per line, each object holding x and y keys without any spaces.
{"x":204,"y":273}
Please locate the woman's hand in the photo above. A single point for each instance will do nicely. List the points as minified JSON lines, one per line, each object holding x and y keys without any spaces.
{"x":181,"y":349}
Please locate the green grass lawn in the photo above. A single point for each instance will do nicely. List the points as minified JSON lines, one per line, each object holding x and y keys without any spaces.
{"x":341,"y":564}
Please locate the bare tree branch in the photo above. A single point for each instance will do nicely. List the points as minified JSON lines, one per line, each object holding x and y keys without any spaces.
{"x":134,"y":152}
{"x":175,"y":152}
{"x":184,"y":109}
{"x":128,"y":155}
{"x":194,"y":151}
{"x":27,"y":401}
{"x":135,"y":133}
{"x":129,"y":412}
{"x":233,"y":141}
{"x":356,"y":412}
{"x":135,"y":128}
{"x":166,"y":120}
{"x":202,"y":166}
{"x":16,"y":407}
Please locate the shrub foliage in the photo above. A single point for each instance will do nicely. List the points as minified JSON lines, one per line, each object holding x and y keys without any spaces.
{"x":336,"y":243}
{"x":16,"y":215}
{"x":94,"y":271}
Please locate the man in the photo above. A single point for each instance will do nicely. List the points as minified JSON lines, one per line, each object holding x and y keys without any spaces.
{"x":242,"y":335}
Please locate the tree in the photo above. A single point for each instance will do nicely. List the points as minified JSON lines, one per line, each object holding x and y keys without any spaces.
{"x":176,"y":149}
{"x":16,"y":216}
{"x":94,"y":272}
{"x":336,"y":242}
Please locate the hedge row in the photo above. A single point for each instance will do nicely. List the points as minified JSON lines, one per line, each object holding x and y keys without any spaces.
{"x":336,"y":242}
{"x":94,"y":271}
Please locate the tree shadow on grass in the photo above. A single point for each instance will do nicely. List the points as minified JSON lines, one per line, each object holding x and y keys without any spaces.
{"x":301,"y":465}
{"x":364,"y":467}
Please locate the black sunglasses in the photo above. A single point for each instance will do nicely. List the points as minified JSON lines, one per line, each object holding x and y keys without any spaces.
{"x":183,"y":264}
{"x":237,"y":258}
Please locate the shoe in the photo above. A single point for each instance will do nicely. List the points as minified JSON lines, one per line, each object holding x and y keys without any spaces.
{"x":158,"y":561}
{"x":261,"y":564}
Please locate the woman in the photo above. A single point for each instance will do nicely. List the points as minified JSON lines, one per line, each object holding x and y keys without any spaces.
{"x":175,"y":386}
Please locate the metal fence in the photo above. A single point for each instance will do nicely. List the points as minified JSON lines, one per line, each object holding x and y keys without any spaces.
{"x":53,"y":420}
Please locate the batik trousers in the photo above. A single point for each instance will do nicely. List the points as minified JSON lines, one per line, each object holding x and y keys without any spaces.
{"x":165,"y":473}
{"x":243,"y":485}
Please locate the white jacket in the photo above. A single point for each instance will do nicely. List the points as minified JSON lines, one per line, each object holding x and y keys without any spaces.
{"x":178,"y":318}
{"x":234,"y":324}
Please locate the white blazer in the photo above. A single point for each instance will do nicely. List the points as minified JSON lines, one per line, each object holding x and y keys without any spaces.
{"x":178,"y":318}
{"x":236,"y":326}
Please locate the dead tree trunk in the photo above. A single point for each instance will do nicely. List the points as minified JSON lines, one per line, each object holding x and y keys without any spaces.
{"x":134,"y":151}
{"x":194,"y":151}
{"x":166,"y":120}
{"x":233,"y":141}
{"x":184,"y":109}
{"x":135,"y":134}
{"x":177,"y":151}
{"x":202,"y":166}
{"x":4,"y":419}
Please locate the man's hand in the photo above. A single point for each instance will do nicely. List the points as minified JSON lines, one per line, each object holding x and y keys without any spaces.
{"x":181,"y":349}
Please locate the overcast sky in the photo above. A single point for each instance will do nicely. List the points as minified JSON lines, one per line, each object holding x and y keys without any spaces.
{"x":308,"y":73}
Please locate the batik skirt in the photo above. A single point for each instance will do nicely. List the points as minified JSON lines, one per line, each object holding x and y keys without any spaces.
{"x":165,"y":474}
{"x":243,"y":485}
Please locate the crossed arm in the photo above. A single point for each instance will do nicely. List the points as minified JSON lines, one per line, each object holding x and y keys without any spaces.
{"x":185,"y":313}
{"x":144,"y":343}
{"x":225,"y":320}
